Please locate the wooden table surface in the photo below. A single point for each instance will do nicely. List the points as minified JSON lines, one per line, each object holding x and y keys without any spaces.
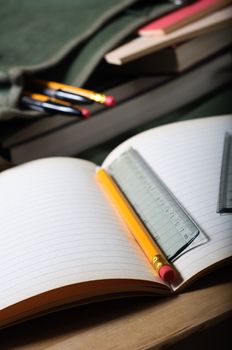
{"x":134,"y":323}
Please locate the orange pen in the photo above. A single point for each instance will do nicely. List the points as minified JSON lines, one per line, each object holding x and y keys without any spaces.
{"x":139,"y":231}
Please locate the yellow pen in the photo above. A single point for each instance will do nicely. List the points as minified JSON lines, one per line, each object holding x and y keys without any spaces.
{"x":139,"y":231}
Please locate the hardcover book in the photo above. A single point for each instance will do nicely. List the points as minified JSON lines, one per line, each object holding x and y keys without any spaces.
{"x":141,"y":46}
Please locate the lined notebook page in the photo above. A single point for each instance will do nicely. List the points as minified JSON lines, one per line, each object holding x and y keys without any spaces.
{"x":57,"y":228}
{"x":187,"y":156}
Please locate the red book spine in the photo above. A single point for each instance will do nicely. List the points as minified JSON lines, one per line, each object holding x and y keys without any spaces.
{"x":181,"y":17}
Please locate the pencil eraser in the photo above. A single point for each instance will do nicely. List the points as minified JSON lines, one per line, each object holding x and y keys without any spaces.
{"x":110,"y":101}
{"x":85,"y":112}
{"x":167,"y":273}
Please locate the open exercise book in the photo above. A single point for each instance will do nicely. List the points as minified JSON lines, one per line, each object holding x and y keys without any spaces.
{"x":63,"y":242}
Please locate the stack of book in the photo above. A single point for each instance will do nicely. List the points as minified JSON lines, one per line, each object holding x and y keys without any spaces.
{"x":178,"y":40}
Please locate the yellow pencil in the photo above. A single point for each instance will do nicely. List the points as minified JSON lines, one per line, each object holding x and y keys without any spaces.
{"x":139,"y":231}
{"x":31,"y":99}
{"x":92,"y":95}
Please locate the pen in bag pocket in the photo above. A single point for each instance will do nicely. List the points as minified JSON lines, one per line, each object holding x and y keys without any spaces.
{"x":41,"y":102}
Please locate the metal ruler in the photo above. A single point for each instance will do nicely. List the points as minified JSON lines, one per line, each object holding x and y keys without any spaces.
{"x":166,"y":220}
{"x":225,"y":189}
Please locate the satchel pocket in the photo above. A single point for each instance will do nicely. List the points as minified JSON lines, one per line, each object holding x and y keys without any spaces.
{"x":63,"y":41}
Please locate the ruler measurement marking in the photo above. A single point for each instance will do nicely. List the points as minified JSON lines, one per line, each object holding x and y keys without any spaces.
{"x":225,"y":187}
{"x":166,"y":220}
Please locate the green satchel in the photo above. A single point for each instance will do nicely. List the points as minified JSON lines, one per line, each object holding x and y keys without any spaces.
{"x":62,"y":41}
